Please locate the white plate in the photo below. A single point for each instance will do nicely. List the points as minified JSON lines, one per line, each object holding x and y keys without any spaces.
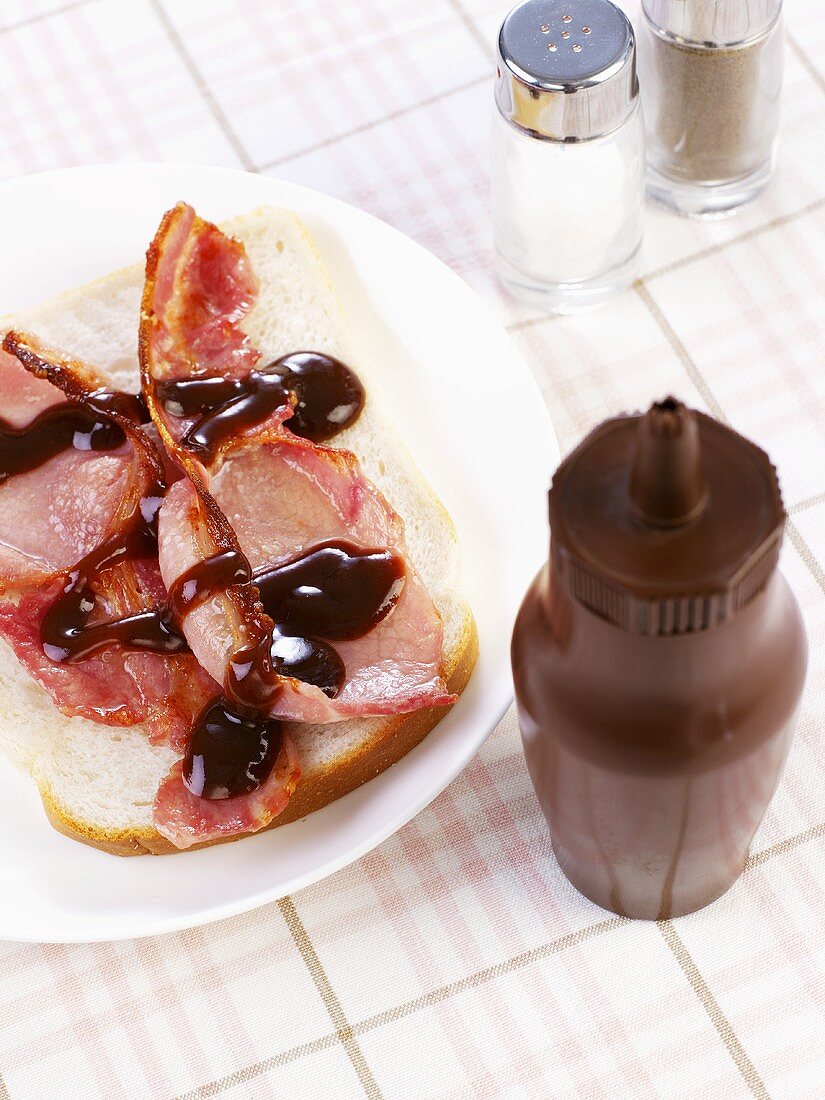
{"x":475,"y":421}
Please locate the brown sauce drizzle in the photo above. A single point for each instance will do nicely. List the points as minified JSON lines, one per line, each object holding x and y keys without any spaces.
{"x":335,"y":590}
{"x":325,"y":394}
{"x":64,"y":632}
{"x":307,"y":659}
{"x":234,"y":746}
{"x":231,"y":753}
{"x":65,"y":426}
{"x":205,"y":578}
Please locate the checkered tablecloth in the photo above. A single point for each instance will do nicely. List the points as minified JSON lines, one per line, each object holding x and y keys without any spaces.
{"x":455,"y":960}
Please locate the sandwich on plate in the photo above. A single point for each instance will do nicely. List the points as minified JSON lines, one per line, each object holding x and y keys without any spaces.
{"x":227,"y":596}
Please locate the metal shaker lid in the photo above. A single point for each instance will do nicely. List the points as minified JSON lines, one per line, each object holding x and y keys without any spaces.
{"x":666,"y":523}
{"x":713,"y":23}
{"x":566,"y":68}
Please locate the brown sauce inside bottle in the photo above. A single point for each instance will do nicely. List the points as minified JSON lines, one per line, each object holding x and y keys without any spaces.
{"x":325,"y":394}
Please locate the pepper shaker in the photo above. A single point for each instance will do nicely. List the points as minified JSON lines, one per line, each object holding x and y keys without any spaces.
{"x":711,"y":76}
{"x":659,"y":659}
{"x":567,"y":153}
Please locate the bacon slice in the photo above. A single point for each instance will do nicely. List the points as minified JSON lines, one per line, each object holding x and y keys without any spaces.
{"x":284,"y":495}
{"x":52,"y":516}
{"x":271,"y":500}
{"x":91,"y":494}
{"x":185,"y":819}
{"x":206,"y":285}
{"x":199,"y":286}
{"x":179,"y":295}
{"x":115,"y":687}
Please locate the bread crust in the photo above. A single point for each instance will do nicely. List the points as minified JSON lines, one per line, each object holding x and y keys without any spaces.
{"x":396,"y":736}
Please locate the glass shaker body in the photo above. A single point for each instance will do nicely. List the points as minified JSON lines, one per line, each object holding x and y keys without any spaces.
{"x":568,"y":216}
{"x":567,"y":153}
{"x":655,"y":759}
{"x":712,"y":114}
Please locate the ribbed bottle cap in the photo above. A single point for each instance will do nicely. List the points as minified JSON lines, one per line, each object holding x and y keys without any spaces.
{"x":665,"y":523}
{"x":714,"y":23}
{"x":566,"y":68}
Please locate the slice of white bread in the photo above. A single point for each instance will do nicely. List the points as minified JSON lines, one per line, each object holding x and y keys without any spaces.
{"x":98,"y":782}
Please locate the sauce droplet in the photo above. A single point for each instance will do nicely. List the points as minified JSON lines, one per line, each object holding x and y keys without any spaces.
{"x":336,"y":590}
{"x":231,"y":753}
{"x":325,"y":395}
{"x":309,"y":660}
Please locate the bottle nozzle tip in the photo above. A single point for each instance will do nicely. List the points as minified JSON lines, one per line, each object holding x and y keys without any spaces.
{"x":667,"y":485}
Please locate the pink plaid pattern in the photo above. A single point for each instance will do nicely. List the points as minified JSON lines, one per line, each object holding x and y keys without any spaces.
{"x":455,"y":960}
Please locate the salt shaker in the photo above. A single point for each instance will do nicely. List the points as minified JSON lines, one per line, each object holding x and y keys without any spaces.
{"x":568,"y":153}
{"x":711,"y":76}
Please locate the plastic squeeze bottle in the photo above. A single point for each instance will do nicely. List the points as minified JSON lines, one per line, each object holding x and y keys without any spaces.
{"x":659,"y":658}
